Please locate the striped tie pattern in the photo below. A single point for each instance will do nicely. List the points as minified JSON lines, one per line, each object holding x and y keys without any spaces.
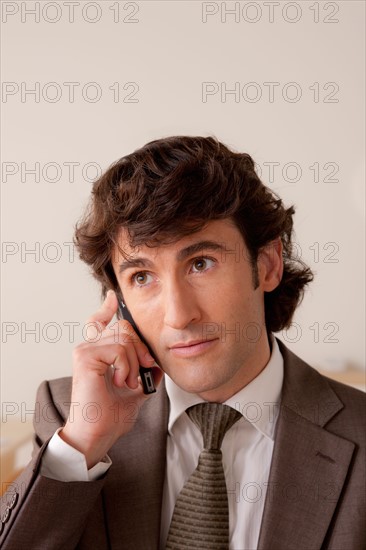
{"x":201,"y":514}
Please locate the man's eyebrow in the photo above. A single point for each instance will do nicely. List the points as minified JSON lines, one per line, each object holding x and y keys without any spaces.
{"x":134,"y":262}
{"x":198,"y":247}
{"x":182,"y":254}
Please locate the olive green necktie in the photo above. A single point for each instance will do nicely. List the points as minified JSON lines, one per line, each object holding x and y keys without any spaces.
{"x":201,"y":514}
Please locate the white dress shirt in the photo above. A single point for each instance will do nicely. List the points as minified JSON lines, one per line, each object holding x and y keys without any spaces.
{"x":247,"y":452}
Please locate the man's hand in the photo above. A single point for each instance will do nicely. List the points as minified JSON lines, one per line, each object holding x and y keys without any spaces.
{"x":106,"y":392}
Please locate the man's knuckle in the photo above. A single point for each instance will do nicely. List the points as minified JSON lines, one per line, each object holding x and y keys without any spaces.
{"x":120,"y":350}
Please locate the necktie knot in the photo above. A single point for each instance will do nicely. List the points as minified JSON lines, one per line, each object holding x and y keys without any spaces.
{"x":213,"y":420}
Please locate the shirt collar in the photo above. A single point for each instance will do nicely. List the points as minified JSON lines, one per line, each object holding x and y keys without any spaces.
{"x":258,"y":401}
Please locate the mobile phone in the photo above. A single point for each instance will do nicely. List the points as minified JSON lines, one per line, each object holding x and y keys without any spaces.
{"x":146,"y":374}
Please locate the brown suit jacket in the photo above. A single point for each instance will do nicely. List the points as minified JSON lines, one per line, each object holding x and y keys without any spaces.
{"x":315,"y":498}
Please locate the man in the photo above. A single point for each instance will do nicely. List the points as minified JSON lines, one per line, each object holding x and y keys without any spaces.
{"x":200,"y":252}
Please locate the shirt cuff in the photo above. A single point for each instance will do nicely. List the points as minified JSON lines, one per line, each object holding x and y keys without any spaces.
{"x":63,"y":462}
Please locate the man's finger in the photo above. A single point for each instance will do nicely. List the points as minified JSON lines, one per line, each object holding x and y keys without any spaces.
{"x":108,"y":309}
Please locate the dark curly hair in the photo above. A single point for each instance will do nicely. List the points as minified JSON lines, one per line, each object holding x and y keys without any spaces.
{"x":170,"y":188}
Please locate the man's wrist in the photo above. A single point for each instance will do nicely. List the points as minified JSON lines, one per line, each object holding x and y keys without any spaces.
{"x":63,"y":462}
{"x":93,"y":451}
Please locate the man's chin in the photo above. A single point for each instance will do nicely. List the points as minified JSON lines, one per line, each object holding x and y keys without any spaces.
{"x":196,"y":377}
{"x":195,"y":386}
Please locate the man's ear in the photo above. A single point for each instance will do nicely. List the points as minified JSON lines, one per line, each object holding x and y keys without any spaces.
{"x":270,"y":265}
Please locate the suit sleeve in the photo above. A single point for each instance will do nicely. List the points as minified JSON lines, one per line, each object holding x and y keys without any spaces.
{"x":39,"y":512}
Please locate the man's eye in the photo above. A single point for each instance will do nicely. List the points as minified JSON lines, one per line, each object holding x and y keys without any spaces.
{"x":140,"y":278}
{"x":201,"y":264}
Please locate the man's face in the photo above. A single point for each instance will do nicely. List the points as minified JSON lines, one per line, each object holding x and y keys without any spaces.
{"x":195,"y":304}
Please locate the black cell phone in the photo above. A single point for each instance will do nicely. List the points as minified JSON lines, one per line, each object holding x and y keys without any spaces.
{"x":146,"y":374}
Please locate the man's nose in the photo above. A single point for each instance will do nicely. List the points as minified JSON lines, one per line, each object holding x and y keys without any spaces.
{"x":180,"y":305}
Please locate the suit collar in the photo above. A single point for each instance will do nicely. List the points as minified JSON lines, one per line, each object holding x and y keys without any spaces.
{"x":309,"y":463}
{"x":306,"y":392}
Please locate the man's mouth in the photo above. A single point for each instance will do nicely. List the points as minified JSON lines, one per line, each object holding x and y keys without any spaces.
{"x":192,"y":347}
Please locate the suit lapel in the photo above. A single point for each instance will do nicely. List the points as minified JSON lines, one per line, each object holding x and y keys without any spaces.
{"x":309,"y":464}
{"x":133,"y":491}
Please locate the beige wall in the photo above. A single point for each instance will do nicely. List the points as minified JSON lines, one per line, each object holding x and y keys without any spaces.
{"x":171,"y":63}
